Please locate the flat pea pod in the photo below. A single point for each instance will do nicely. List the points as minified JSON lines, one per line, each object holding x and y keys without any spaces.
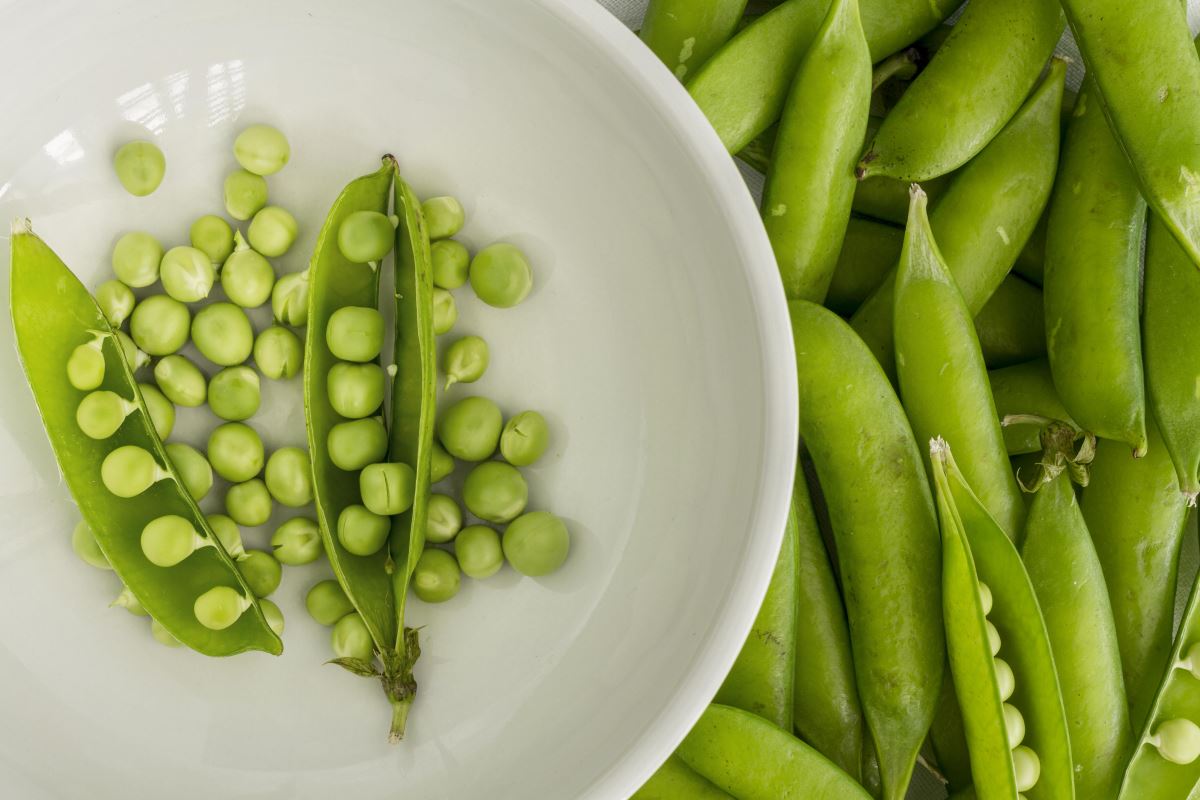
{"x":1026,"y":390}
{"x":1136,"y":515}
{"x":942,"y":377}
{"x":767,"y":54}
{"x":761,"y":680}
{"x":886,"y":535}
{"x":684,"y":33}
{"x":1093,"y":265}
{"x":809,"y":188}
{"x":1151,"y":96}
{"x":987,"y":214}
{"x":675,"y":780}
{"x":969,"y":91}
{"x":52,"y":314}
{"x":1011,"y":325}
{"x":751,"y":759}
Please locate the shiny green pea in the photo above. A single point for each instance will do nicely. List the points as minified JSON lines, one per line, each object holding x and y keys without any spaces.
{"x":169,"y":539}
{"x":273,"y":615}
{"x":85,"y":366}
{"x":261,"y":572}
{"x":355,"y":390}
{"x":234,"y":393}
{"x":387,"y":488}
{"x":187,"y":274}
{"x":130,"y":470}
{"x":181,"y":381}
{"x":351,"y":639}
{"x":245,"y":194}
{"x":478,"y":550}
{"x":83,"y":542}
{"x":327,"y":602}
{"x":193,"y":468}
{"x":212,"y":236}
{"x":495,"y":491}
{"x":162,"y":411}
{"x":437,"y":577}
{"x":249,"y":503}
{"x":451,"y":263}
{"x":465,"y":361}
{"x":355,"y":333}
{"x":235,"y":451}
{"x":135,"y":358}
{"x":444,"y":217}
{"x":354,"y":444}
{"x":470,"y":429}
{"x":228,"y":534}
{"x":297,"y":541}
{"x":289,"y":299}
{"x":1177,"y":740}
{"x":116,"y":301}
{"x":135,"y":259}
{"x":288,"y":476}
{"x":365,"y":237}
{"x":524,"y":438}
{"x":441,"y":464}
{"x":536,"y":543}
{"x":159,"y":325}
{"x":272,"y":231}
{"x":247,"y":277}
{"x":500,"y":275}
{"x":222,"y":333}
{"x":443,"y":519}
{"x":102,"y":413}
{"x":262,"y":149}
{"x":362,"y":532}
{"x":445,"y":312}
{"x":220,"y":607}
{"x":278,"y":353}
{"x":140,"y":167}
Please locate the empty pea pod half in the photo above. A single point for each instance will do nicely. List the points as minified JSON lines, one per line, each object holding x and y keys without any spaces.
{"x":144,"y":520}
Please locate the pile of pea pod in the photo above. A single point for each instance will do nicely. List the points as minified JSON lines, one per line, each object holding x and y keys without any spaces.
{"x":993,"y":283}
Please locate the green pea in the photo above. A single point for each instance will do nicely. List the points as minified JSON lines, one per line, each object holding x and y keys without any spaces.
{"x":524,"y":438}
{"x":220,"y":607}
{"x":351,"y":639}
{"x":465,"y":361}
{"x":1005,"y":679}
{"x":134,"y":357}
{"x":367,"y":236}
{"x":85,"y":366}
{"x":228,"y":534}
{"x":102,"y":413}
{"x":249,"y":503}
{"x":355,"y":390}
{"x":985,"y":598}
{"x":451,"y":263}
{"x":245,"y":194}
{"x":162,"y":635}
{"x":470,"y":429}
{"x":130,"y":470}
{"x":116,"y":300}
{"x":135,"y":259}
{"x":444,"y":217}
{"x":193,"y":468}
{"x":354,"y":444}
{"x":212,"y":236}
{"x":273,"y":616}
{"x":500,"y":275}
{"x":362,"y":532}
{"x":159,"y":325}
{"x":222,"y":333}
{"x":355,"y":333}
{"x":443,"y":519}
{"x":441,"y":464}
{"x":162,"y":411}
{"x":235,"y":451}
{"x":272,"y":231}
{"x":436,"y":577}
{"x":327,"y":602}
{"x":234,"y":393}
{"x":387,"y":488}
{"x":278,"y":353}
{"x":288,"y":476}
{"x":83,"y":542}
{"x":169,"y":539}
{"x":993,"y":637}
{"x":128,"y":601}
{"x":247,"y":277}
{"x":261,"y":572}
{"x":187,"y":274}
{"x":140,"y":167}
{"x":445,"y":312}
{"x":1177,"y":740}
{"x":297,"y":541}
{"x":181,"y":381}
{"x":1028,"y":767}
{"x":536,"y":543}
{"x":495,"y":491}
{"x":478,"y":551}
{"x":289,"y":299}
{"x":1014,"y":724}
{"x":262,"y":149}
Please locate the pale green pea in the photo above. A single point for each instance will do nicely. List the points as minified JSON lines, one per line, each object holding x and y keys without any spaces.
{"x":297,"y":541}
{"x":355,"y":390}
{"x":234,"y":393}
{"x":500,"y":275}
{"x":135,"y":259}
{"x":437,"y":577}
{"x":245,"y":194}
{"x":1028,"y":767}
{"x":83,"y":542}
{"x":273,"y":615}
{"x":249,"y":503}
{"x":355,"y":333}
{"x":116,"y":301}
{"x":288,"y":476}
{"x":129,"y":602}
{"x":1014,"y":724}
{"x":451,"y":263}
{"x":247,"y":277}
{"x":536,"y":543}
{"x":102,"y":413}
{"x":181,"y":381}
{"x":445,"y":312}
{"x":162,"y":411}
{"x":524,"y":438}
{"x":985,"y":598}
{"x":193,"y":468}
{"x":130,"y":470}
{"x":1005,"y":679}
{"x":470,"y":429}
{"x":85,"y":366}
{"x":169,"y":539}
{"x":261,"y":572}
{"x":1177,"y":740}
{"x":351,"y":639}
{"x":272,"y":231}
{"x":367,"y":236}
{"x":212,"y":236}
{"x":134,"y":357}
{"x":465,"y":361}
{"x":262,"y":149}
{"x":228,"y":534}
{"x":220,"y":607}
{"x":495,"y":491}
{"x":443,"y":519}
{"x":187,"y":274}
{"x":222,"y":333}
{"x":162,"y":635}
{"x":289,"y":299}
{"x":278,"y":353}
{"x":327,"y":602}
{"x":478,"y":550}
{"x":140,"y":167}
{"x":444,"y":217}
{"x":235,"y":451}
{"x":993,"y":637}
{"x":159,"y":325}
{"x":354,"y":444}
{"x":362,"y":532}
{"x":441,"y":464}
{"x":387,"y":488}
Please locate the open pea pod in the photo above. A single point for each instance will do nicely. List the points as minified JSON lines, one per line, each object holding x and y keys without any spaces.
{"x":53,"y":314}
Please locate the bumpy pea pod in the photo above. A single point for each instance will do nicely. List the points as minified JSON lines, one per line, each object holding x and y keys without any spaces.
{"x":1136,"y":516}
{"x":767,"y":54}
{"x":1011,"y":325}
{"x":53,"y":315}
{"x":943,"y":380}
{"x":1093,"y":259}
{"x":883,"y":523}
{"x":684,"y":33}
{"x":1026,"y":391}
{"x":806,"y":200}
{"x":999,"y":650}
{"x":987,"y":214}
{"x":1069,"y":581}
{"x":675,"y":780}
{"x":752,"y":759}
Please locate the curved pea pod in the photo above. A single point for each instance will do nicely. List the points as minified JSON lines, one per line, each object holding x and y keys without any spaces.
{"x":943,"y":380}
{"x":761,"y":680}
{"x":1171,"y":342}
{"x":1136,"y":515}
{"x":869,"y":251}
{"x":1151,"y":97}
{"x":806,"y":200}
{"x":684,"y":33}
{"x":52,"y":314}
{"x":987,"y":214}
{"x":883,"y":523}
{"x":675,"y":780}
{"x":752,"y":759}
{"x":1011,"y":325}
{"x":1026,"y":390}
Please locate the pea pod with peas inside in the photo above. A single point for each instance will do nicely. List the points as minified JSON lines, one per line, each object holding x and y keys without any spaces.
{"x":684,"y":33}
{"x":139,"y":509}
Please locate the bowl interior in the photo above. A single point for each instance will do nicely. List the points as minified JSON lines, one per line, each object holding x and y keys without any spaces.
{"x":654,"y":342}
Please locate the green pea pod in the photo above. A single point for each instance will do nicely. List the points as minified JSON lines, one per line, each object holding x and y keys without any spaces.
{"x":1031,"y":262}
{"x":684,"y":33}
{"x":761,"y":680}
{"x":1151,"y":96}
{"x":1093,"y":263}
{"x":53,"y":314}
{"x":806,"y":200}
{"x":675,"y":780}
{"x":869,"y":251}
{"x":1136,"y":515}
{"x":767,"y":54}
{"x":883,"y":523}
{"x":987,"y":214}
{"x":948,"y":738}
{"x":1011,"y":325}
{"x":828,"y":714}
{"x":1026,"y":390}
{"x":943,"y":380}
{"x":976,"y":550}
{"x":752,"y":759}
{"x":1171,"y":340}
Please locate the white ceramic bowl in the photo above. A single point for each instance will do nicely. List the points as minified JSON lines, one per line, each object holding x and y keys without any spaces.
{"x":656,"y":341}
